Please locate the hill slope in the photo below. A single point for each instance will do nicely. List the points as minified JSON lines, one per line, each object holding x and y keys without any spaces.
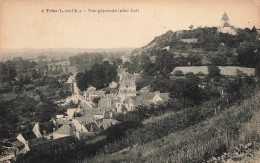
{"x":212,"y":137}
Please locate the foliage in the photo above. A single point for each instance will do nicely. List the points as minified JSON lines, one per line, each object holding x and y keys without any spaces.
{"x":214,"y":71}
{"x":178,"y":73}
{"x":99,"y":76}
{"x":44,"y":111}
{"x":249,"y":53}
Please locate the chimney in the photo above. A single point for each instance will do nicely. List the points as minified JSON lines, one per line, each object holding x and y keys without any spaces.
{"x":91,"y":128}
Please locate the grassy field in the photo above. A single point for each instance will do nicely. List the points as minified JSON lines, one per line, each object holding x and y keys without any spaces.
{"x":212,"y":137}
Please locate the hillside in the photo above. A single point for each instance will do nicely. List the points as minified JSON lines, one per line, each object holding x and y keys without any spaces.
{"x":207,"y":44}
{"x":212,"y":137}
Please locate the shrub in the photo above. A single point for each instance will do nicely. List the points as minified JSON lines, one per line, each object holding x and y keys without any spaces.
{"x":178,"y":73}
{"x":29,"y":87}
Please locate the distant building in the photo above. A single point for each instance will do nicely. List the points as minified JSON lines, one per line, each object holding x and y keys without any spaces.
{"x":146,"y":99}
{"x":127,"y":87}
{"x":226,"y":27}
{"x":189,"y":40}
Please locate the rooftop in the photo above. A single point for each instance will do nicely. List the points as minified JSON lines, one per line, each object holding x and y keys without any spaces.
{"x":224,"y":16}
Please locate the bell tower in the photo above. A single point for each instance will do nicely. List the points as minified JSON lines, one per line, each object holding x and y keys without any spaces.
{"x":225,"y":20}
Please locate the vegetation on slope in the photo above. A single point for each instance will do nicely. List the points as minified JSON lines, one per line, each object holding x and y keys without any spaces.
{"x":197,"y":143}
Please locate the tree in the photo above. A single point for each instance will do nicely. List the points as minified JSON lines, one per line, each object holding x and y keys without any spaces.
{"x":213,"y":71}
{"x":66,"y":68}
{"x":217,"y":60}
{"x":34,"y":74}
{"x":99,"y":76}
{"x":45,"y":111}
{"x":194,"y":60}
{"x":248,"y":54}
{"x":8,"y":72}
{"x":178,"y":73}
{"x":257,"y":71}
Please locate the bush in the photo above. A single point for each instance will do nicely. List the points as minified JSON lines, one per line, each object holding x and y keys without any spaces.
{"x":17,"y":89}
{"x":178,"y":73}
{"x":5,"y":89}
{"x":29,"y":87}
{"x":200,"y":74}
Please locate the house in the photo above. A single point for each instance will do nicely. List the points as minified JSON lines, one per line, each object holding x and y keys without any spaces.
{"x":97,"y":113}
{"x":79,"y":112}
{"x":36,"y":130}
{"x":60,"y":145}
{"x":129,"y":104}
{"x":44,"y":129}
{"x":91,"y":93}
{"x":60,"y":116}
{"x":118,"y":106}
{"x":10,"y":149}
{"x":85,"y":119}
{"x":160,"y":97}
{"x":146,"y":89}
{"x":25,"y":136}
{"x":113,"y":85}
{"x":92,"y":127}
{"x":127,"y":87}
{"x":64,"y":131}
{"x":73,"y":99}
{"x":146,"y":99}
{"x":71,"y":112}
{"x":85,"y":105}
{"x":189,"y":40}
{"x":61,"y":121}
{"x":103,"y":124}
{"x":125,"y":59}
{"x":166,"y":48}
{"x":105,"y":103}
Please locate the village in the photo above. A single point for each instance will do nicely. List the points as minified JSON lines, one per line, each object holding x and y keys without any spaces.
{"x":94,"y":113}
{"x":184,"y":89}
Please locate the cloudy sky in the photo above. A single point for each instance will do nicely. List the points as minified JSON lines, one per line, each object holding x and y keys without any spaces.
{"x":24,"y":25}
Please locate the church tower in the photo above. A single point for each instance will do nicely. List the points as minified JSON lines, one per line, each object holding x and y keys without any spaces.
{"x":225,"y":26}
{"x":225,"y":20}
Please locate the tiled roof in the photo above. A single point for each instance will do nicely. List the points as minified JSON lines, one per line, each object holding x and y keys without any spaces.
{"x":71,"y":111}
{"x":165,"y":96}
{"x":94,"y":111}
{"x":28,"y":135}
{"x":92,"y":127}
{"x":224,"y":16}
{"x":100,"y":93}
{"x":105,"y":103}
{"x":63,"y":121}
{"x":146,"y":88}
{"x":85,"y":119}
{"x":64,"y":130}
{"x":36,"y":141}
{"x":113,"y":84}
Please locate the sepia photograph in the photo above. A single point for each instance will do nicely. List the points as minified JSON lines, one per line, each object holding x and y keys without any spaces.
{"x":127,"y":81}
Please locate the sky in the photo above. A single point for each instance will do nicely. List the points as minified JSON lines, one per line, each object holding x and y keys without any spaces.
{"x":23,"y":25}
